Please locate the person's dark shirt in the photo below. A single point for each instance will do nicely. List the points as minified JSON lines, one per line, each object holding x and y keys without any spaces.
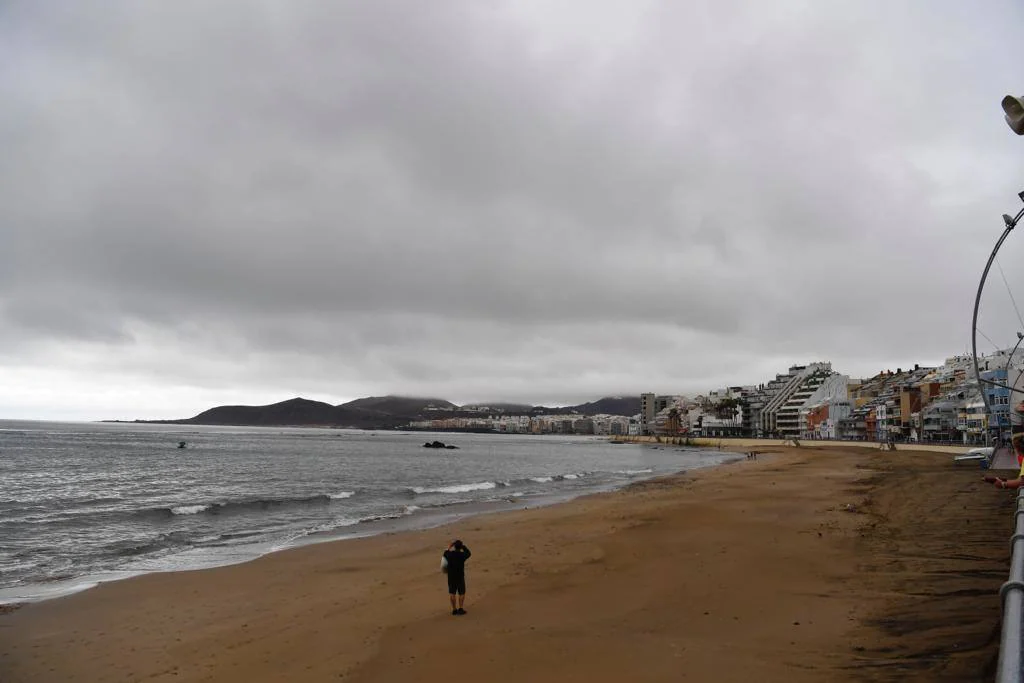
{"x":457,"y":560}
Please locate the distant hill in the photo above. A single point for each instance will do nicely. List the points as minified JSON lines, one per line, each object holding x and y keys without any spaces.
{"x":612,"y":405}
{"x":510,"y":408}
{"x":380,"y":412}
{"x":296,"y":411}
{"x":300,"y":412}
{"x":399,"y":405}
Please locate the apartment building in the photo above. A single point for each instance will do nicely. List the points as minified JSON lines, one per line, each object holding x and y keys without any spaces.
{"x":647,"y":411}
{"x":780,"y":414}
{"x":820,"y":386}
{"x":759,"y":399}
{"x":650,"y":406}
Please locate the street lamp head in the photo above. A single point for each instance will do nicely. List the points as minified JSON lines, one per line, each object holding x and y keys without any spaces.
{"x":1008,"y":219}
{"x":1013,"y":107}
{"x":1020,"y":336}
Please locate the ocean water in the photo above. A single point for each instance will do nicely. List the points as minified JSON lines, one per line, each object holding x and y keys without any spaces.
{"x":82,"y":503}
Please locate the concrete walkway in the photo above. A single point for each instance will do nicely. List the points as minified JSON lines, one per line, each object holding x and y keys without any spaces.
{"x":741,"y":445}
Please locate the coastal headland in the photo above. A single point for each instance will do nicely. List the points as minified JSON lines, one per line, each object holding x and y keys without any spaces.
{"x":818,"y":563}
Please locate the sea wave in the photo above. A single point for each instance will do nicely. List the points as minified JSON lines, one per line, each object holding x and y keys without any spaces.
{"x":189,"y":509}
{"x":341,"y":495}
{"x":333,"y":524}
{"x":162,"y":542}
{"x":229,"y":507}
{"x":556,"y":477}
{"x":457,"y":488}
{"x":647,"y":471}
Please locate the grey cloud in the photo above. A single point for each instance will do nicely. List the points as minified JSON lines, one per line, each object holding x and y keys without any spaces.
{"x":488,"y":199}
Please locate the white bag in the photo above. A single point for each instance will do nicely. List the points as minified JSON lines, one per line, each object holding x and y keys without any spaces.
{"x":444,"y":564}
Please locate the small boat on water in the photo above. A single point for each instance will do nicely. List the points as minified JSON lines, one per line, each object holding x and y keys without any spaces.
{"x":182,"y":444}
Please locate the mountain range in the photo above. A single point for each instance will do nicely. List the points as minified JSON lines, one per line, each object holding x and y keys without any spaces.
{"x":387,"y":412}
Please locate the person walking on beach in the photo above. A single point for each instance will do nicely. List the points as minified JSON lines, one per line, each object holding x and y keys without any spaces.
{"x":456,"y":557}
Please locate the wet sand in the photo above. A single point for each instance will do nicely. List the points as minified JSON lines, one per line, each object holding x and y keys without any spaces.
{"x":809,"y":564}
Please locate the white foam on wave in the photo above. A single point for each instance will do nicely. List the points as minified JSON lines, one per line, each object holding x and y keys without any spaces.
{"x":647,"y":471}
{"x":189,"y":509}
{"x":542,"y":480}
{"x":457,"y":488}
{"x":571,"y":476}
{"x":409,"y":509}
{"x":294,"y":538}
{"x":341,"y":495}
{"x":334,"y":524}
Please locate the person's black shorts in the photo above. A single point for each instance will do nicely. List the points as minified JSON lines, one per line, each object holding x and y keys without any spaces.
{"x":456,"y":584}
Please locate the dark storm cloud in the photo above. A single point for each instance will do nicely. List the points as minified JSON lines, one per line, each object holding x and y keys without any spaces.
{"x":513,"y":200}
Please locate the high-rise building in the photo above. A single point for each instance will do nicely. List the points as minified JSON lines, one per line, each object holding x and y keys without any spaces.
{"x":647,"y":412}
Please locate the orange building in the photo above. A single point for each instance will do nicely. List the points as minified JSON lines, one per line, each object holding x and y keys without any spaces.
{"x":815,"y":416}
{"x":871,"y":424}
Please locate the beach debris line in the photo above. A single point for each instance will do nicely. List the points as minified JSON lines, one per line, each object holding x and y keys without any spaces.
{"x":439,"y":444}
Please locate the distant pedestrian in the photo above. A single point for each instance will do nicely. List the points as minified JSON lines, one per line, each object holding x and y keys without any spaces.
{"x":456,"y":557}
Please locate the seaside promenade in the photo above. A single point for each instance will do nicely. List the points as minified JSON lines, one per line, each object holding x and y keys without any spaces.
{"x":741,"y":445}
{"x":818,"y":563}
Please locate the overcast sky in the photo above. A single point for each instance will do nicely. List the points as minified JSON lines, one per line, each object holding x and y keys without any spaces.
{"x":541,"y":201}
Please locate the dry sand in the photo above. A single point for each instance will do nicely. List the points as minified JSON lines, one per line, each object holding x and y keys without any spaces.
{"x":810,"y":564}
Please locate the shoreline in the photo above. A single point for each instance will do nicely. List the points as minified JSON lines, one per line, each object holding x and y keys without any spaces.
{"x":422,"y":519}
{"x":780,"y":569}
{"x":727,"y":442}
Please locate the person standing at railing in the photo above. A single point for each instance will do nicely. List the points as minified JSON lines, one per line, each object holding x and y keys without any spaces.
{"x":1017,"y":441}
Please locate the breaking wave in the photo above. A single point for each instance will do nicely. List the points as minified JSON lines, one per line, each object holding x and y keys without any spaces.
{"x":257,"y":504}
{"x":557,"y":477}
{"x":457,"y":488}
{"x":189,"y":509}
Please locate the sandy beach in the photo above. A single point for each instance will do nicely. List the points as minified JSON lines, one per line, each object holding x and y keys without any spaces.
{"x":809,"y":564}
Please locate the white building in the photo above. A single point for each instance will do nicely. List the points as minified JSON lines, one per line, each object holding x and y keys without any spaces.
{"x":654,"y":411}
{"x":721,"y":413}
{"x":781,"y":413}
{"x":821,"y":419}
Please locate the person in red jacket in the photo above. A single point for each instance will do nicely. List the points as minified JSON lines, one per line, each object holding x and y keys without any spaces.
{"x":456,"y":556}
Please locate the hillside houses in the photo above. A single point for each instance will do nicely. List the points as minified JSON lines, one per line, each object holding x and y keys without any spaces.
{"x":813,"y":401}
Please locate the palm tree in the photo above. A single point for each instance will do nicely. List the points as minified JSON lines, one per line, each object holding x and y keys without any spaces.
{"x":674,"y":425}
{"x":727,"y":408}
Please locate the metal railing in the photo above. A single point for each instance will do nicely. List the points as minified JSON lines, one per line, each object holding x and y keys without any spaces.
{"x":1011,"y":646}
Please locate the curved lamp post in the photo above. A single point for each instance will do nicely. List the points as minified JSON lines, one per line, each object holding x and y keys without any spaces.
{"x":1020,"y":338}
{"x":1010,"y":223}
{"x":1012,"y":638}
